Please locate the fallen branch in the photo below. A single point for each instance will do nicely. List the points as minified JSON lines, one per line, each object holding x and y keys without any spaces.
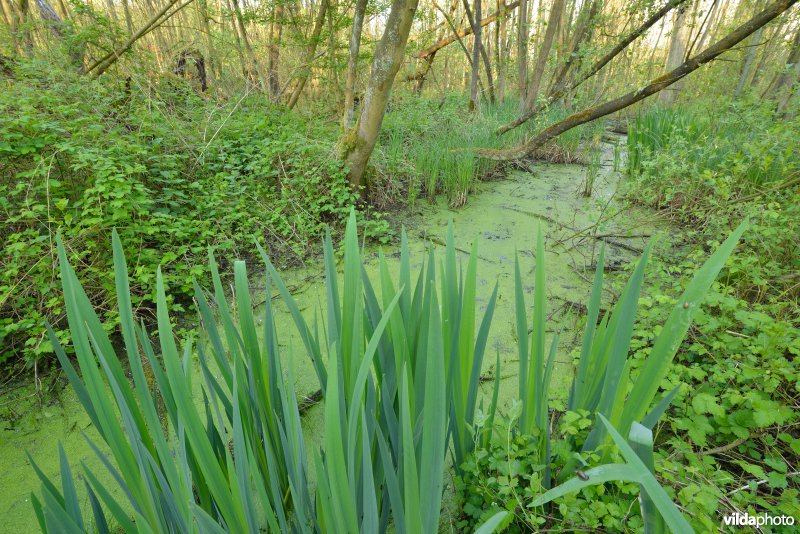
{"x":309,"y":401}
{"x":660,"y":83}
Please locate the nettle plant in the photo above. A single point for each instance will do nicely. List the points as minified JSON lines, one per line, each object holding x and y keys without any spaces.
{"x":400,"y":373}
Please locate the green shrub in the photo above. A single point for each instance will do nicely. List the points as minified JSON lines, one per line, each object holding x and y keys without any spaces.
{"x":82,"y":158}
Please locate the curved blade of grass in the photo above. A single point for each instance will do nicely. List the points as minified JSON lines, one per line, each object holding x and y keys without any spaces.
{"x":669,"y":512}
{"x":641,"y":441}
{"x":596,"y":475}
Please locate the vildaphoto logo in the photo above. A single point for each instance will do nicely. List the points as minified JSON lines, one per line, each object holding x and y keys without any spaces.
{"x":757,"y":520}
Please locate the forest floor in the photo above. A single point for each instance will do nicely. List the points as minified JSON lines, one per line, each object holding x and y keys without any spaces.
{"x":502,"y":214}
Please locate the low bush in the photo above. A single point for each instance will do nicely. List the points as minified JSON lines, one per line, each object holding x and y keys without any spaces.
{"x":173,"y":173}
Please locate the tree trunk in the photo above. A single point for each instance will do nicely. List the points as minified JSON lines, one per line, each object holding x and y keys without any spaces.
{"x":522,"y":53}
{"x":112,"y":11}
{"x":360,"y":141}
{"x":126,"y":8}
{"x":202,"y":14}
{"x":717,"y":12}
{"x":544,"y":52}
{"x":783,"y":88}
{"x":477,"y":45}
{"x":749,"y":59}
{"x":62,"y":32}
{"x":660,"y":83}
{"x":429,"y":53}
{"x":275,"y":34}
{"x":461,"y":44}
{"x":767,"y":52}
{"x":10,"y":16}
{"x":583,"y":32}
{"x":27,"y":37}
{"x":256,"y":72}
{"x":236,"y":40}
{"x":677,"y":49}
{"x":103,"y":64}
{"x":305,"y":68}
{"x":352,"y":65}
{"x":462,"y":33}
{"x":502,"y":49}
{"x":420,"y":75}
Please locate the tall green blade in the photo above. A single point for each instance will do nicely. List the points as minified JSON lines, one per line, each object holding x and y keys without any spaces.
{"x":674,"y":331}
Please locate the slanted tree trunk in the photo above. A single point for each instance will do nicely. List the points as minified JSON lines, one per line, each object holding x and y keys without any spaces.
{"x":251,"y":55}
{"x":429,"y":53}
{"x":718,"y":9}
{"x":305,"y":68}
{"x":677,"y":49}
{"x":587,"y":115}
{"x":238,"y":45}
{"x":112,"y":11}
{"x":360,"y":141}
{"x":767,"y":54}
{"x":58,"y":28}
{"x":553,"y":20}
{"x":463,"y":47}
{"x":583,"y":32}
{"x":459,"y":34}
{"x":420,"y":75}
{"x":104,"y":63}
{"x":352,"y":65}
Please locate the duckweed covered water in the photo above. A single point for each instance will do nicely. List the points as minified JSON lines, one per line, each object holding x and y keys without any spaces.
{"x":502,"y":216}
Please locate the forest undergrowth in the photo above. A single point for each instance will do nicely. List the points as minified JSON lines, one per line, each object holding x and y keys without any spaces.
{"x":731,"y":442}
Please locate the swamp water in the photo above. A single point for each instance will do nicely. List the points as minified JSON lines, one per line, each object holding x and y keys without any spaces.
{"x":502,"y":215}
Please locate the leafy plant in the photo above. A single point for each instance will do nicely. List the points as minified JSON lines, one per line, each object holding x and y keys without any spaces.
{"x":739,"y":359}
{"x":91,"y":163}
{"x":602,"y":384}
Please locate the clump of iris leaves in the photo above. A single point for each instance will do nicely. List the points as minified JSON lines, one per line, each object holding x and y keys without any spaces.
{"x":400,"y":372}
